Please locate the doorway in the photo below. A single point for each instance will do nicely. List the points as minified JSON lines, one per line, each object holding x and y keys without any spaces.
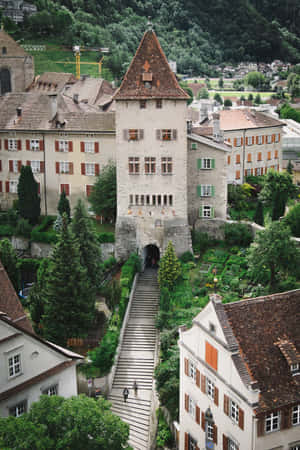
{"x":151,"y":256}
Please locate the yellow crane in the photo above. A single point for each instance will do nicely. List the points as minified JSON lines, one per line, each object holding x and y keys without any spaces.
{"x":77,"y":50}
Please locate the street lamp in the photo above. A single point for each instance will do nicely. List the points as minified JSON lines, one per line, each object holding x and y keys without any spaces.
{"x":215,"y":283}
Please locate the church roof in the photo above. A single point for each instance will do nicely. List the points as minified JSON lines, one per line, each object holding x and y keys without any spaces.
{"x":12,"y":48}
{"x":149,"y":74}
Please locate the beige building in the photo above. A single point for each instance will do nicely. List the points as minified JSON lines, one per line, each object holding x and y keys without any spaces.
{"x":240,"y":375}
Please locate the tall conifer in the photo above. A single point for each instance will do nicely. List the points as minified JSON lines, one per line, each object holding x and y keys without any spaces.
{"x":169,"y":268}
{"x":64,"y":205}
{"x":29,"y":199}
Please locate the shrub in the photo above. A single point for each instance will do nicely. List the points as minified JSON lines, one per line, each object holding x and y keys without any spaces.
{"x":237,"y":234}
{"x":201,"y":241}
{"x":186,"y":257}
{"x":165,"y":299}
{"x":29,"y":264}
{"x":109,"y":263}
{"x":164,"y":436}
{"x":169,"y":269}
{"x":106,"y":237}
{"x":23,"y":228}
{"x":103,"y":356}
{"x":6,"y":230}
{"x":9,"y":217}
{"x":293,"y":220}
{"x":39,"y":233}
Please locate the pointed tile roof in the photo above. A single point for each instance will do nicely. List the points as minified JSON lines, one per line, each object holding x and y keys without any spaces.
{"x":13,"y":49}
{"x":149,"y":74}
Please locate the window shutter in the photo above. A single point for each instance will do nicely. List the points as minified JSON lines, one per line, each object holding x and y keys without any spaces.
{"x":197,"y":378}
{"x":97,"y":169}
{"x":203,"y":421}
{"x":256,"y":140}
{"x":251,"y":171}
{"x":57,"y":167}
{"x":19,"y":144}
{"x":174,"y":135}
{"x":279,"y":137}
{"x":6,"y":186}
{"x":203,"y":384}
{"x":255,"y":172}
{"x":263,"y":139}
{"x":96,"y":147}
{"x":0,"y":165}
{"x":27,"y":144}
{"x":261,"y":427}
{"x":213,"y":163}
{"x":82,"y":168}
{"x":186,"y":441}
{"x":225,"y":442}
{"x":212,"y":215}
{"x":186,"y":402}
{"x":273,"y":137}
{"x":71,"y":168}
{"x":213,"y":189}
{"x":286,"y":415}
{"x":6,"y":144}
{"x":229,"y":140}
{"x":0,"y":186}
{"x":19,"y":166}
{"x":226,"y":405}
{"x":242,"y":141}
{"x":241,"y":418}
{"x":125,"y":135}
{"x":247,"y":141}
{"x":186,"y":366}
{"x":199,"y":190}
{"x":215,"y":434}
{"x":216,"y":396}
{"x":56,"y":146}
{"x":67,"y":189}
{"x":158,"y":134}
{"x":42,"y":167}
{"x":245,"y":172}
{"x":198,"y":415}
{"x":228,"y":159}
{"x":199,"y":163}
{"x":82,"y":147}
{"x":70,"y":146}
{"x":201,"y":211}
{"x":0,"y":144}
{"x":141,"y":134}
{"x":10,"y":165}
{"x":234,"y":142}
{"x":42,"y":145}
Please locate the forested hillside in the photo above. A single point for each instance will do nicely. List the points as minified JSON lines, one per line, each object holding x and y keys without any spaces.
{"x":195,"y":33}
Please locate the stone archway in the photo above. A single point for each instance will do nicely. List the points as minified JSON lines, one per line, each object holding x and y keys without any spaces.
{"x":151,"y":256}
{"x":5,"y":81}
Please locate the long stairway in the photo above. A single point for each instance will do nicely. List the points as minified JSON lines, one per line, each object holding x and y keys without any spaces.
{"x":136,"y":361}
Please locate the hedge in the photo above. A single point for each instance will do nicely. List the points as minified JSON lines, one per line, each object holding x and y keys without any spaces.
{"x":106,"y":237}
{"x":39,"y":234}
{"x":29,"y":264}
{"x":7,"y":230}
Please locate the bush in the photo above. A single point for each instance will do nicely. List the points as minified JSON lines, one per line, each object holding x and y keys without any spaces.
{"x":23,"y":228}
{"x":6,"y":230}
{"x":9,"y":217}
{"x":292,"y":219}
{"x":201,"y":241}
{"x":106,"y":237}
{"x":186,"y":257}
{"x":29,"y":264}
{"x":39,"y":233}
{"x":103,"y":356}
{"x":109,"y":263}
{"x":237,"y":234}
{"x":164,"y":436}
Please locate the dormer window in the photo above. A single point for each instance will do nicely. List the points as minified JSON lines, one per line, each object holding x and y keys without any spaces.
{"x":295,"y":368}
{"x":212,"y":328}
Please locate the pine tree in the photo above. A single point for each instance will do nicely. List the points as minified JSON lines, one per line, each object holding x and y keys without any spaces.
{"x":29,"y":199}
{"x":289,"y":168}
{"x":9,"y":260}
{"x":169,"y":268}
{"x":64,"y":205}
{"x":259,"y":214}
{"x":69,"y":302}
{"x":36,"y":295}
{"x":89,"y":247}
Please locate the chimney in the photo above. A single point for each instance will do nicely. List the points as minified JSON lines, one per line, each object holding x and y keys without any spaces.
{"x":76,"y":98}
{"x":53,"y":102}
{"x":217,"y":133}
{"x":19,"y":111}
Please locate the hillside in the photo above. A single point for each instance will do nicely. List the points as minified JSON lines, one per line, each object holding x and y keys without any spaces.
{"x":195,"y":33}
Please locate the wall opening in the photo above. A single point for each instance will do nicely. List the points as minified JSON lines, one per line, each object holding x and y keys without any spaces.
{"x":5,"y":81}
{"x":151,"y":256}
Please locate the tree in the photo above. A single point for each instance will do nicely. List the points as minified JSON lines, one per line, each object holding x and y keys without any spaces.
{"x":294,"y":84}
{"x":227,"y":102}
{"x":277,"y":188}
{"x":203,"y":94}
{"x":292,"y":219}
{"x":89,"y":247}
{"x":289,"y":168}
{"x":35,"y":298}
{"x":169,"y":268}
{"x":64,"y":205}
{"x":9,"y":260}
{"x":255,"y":79}
{"x":218,"y":98}
{"x":257,"y":99}
{"x":29,"y":199}
{"x":68,"y":300}
{"x":55,"y":423}
{"x":103,"y":197}
{"x":272,"y":251}
{"x":259,"y":214}
{"x":221,"y":83}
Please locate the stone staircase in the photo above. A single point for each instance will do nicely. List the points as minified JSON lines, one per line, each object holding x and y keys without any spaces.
{"x":136,"y":361}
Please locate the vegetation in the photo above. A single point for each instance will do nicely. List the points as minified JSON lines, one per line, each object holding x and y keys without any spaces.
{"x":9,"y":260}
{"x":64,"y":205}
{"x":35,"y":300}
{"x":28,"y":197}
{"x":287,"y":112}
{"x":103,"y":197}
{"x":227,"y":102}
{"x":292,"y":219}
{"x":237,"y":234}
{"x":277,"y":188}
{"x":54,"y":422}
{"x":169,"y":268}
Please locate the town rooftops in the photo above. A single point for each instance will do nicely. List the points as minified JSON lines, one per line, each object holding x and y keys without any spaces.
{"x":12,"y":48}
{"x":266,"y":330}
{"x":10,"y":304}
{"x":52,"y":81}
{"x":149,"y":74}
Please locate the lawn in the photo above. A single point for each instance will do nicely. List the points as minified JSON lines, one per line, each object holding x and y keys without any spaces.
{"x":263,"y":95}
{"x":104,"y":227}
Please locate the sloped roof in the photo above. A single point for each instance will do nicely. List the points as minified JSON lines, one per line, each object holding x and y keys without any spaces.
{"x":149,"y":74}
{"x":258,"y":325}
{"x":13,"y":49}
{"x":10,"y":303}
{"x":52,"y":81}
{"x":237,"y":119}
{"x":94,"y":91}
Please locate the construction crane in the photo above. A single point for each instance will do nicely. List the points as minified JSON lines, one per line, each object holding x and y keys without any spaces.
{"x":77,"y":52}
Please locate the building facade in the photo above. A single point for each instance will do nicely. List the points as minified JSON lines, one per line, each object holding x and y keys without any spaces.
{"x":240,"y":375}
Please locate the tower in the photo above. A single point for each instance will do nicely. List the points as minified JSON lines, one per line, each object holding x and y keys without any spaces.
{"x":151,"y":156}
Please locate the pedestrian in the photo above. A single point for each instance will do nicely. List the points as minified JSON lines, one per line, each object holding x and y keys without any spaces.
{"x":125,"y":394}
{"x":135,"y":388}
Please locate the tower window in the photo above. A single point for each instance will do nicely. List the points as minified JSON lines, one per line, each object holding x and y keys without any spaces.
{"x":4,"y":50}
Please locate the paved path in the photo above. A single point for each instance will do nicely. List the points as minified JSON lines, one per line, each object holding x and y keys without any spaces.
{"x":136,"y":361}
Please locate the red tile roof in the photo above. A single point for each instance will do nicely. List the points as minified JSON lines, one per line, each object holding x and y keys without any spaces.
{"x":258,"y":325}
{"x":149,"y":74}
{"x":10,"y":303}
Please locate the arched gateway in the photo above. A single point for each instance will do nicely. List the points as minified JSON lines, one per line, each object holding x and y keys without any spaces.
{"x":151,"y":256}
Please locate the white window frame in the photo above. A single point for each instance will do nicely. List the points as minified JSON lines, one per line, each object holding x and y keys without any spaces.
{"x":295,"y":447}
{"x":296,"y":415}
{"x":234,"y":411}
{"x":250,"y":140}
{"x":206,"y":190}
{"x":63,"y":146}
{"x":134,"y":165}
{"x":260,"y":140}
{"x":259,"y":171}
{"x":12,"y":145}
{"x":89,"y":147}
{"x":192,"y":370}
{"x":35,"y":145}
{"x":150,"y":162}
{"x":206,"y":163}
{"x":210,"y":389}
{"x":166,"y":134}
{"x":51,"y":390}
{"x":269,"y":139}
{"x":64,"y":167}
{"x":15,"y":164}
{"x":13,"y":186}
{"x":209,"y":431}
{"x":166,"y":165}
{"x":206,"y":211}
{"x":35,"y":166}
{"x":248,"y":172}
{"x":192,"y":407}
{"x":277,"y":137}
{"x":238,"y":142}
{"x":192,"y":443}
{"x":90,"y":169}
{"x":295,"y":368}
{"x":232,"y":445}
{"x":272,"y":422}
{"x":19,"y":409}
{"x":14,"y":363}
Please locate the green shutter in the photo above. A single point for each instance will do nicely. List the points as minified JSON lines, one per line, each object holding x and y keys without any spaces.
{"x":213,"y":163}
{"x":200,"y":212}
{"x":199,"y":191}
{"x":212,"y":191}
{"x":194,"y":146}
{"x":212,"y":213}
{"x":199,"y":163}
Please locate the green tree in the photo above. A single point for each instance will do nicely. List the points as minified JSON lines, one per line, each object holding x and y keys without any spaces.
{"x":221,"y":83}
{"x":167,"y":379}
{"x":189,"y":91}
{"x":29,"y":199}
{"x":277,"y":188}
{"x":289,"y":168}
{"x":227,"y":102}
{"x":255,"y":79}
{"x":9,"y":260}
{"x":257,"y":99}
{"x":259,"y":214}
{"x":35,"y":298}
{"x":69,"y":303}
{"x":203,"y":94}
{"x":250,"y":97}
{"x":64,"y":205}
{"x":218,"y":98}
{"x":272,"y":251}
{"x":169,"y":268}
{"x":292,"y":219}
{"x":103,"y":197}
{"x":294,"y":84}
{"x":56,"y":423}
{"x":89,"y":247}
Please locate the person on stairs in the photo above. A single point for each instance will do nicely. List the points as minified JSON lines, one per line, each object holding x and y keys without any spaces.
{"x":125,"y":394}
{"x":135,"y":388}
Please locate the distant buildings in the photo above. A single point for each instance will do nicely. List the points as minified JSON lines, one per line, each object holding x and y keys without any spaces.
{"x":16,"y":10}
